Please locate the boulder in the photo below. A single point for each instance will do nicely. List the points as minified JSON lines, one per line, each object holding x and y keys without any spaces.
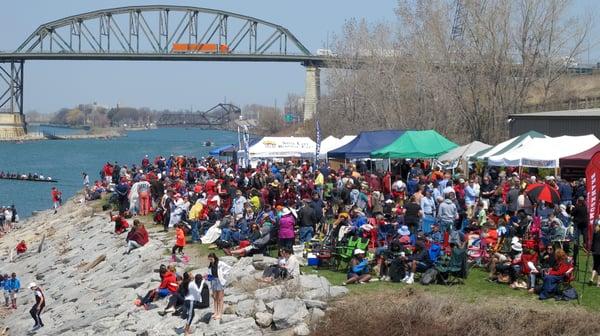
{"x":301,"y":330}
{"x":270,"y":293}
{"x":238,"y":327}
{"x":264,"y":320}
{"x":233,"y":299}
{"x":229,"y":260}
{"x":315,"y":315}
{"x":316,"y":294}
{"x":288,"y":312}
{"x":259,"y":306}
{"x":315,"y":304}
{"x":335,"y":291}
{"x":263,"y":263}
{"x":313,"y":281}
{"x":245,"y":308}
{"x":238,"y":273}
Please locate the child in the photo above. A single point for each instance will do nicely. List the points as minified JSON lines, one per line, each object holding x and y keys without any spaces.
{"x":180,"y":240}
{"x":21,"y":247}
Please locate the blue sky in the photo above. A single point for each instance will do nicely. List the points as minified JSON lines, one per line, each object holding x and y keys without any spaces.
{"x":199,"y":85}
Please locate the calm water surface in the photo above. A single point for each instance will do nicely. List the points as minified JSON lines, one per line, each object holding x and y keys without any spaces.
{"x":65,"y":160}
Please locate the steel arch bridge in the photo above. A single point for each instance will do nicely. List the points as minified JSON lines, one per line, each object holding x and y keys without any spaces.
{"x":152,"y":33}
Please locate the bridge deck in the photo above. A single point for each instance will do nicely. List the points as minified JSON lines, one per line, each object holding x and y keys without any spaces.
{"x":320,"y":61}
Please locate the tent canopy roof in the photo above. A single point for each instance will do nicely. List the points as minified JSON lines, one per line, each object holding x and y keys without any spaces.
{"x":579,"y":160}
{"x":227,"y":149}
{"x":507,"y":145}
{"x":465,"y":151}
{"x":545,"y":152}
{"x":416,"y":144}
{"x":364,"y":144}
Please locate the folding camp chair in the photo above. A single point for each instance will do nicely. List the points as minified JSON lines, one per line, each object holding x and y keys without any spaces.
{"x":454,"y":270}
{"x":344,"y":253}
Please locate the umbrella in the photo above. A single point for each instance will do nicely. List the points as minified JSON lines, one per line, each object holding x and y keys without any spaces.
{"x":543,"y":192}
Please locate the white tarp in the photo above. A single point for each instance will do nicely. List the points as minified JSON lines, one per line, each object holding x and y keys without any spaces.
{"x":545,"y":152}
{"x":464,"y":152}
{"x":283,"y":147}
{"x":331,"y":143}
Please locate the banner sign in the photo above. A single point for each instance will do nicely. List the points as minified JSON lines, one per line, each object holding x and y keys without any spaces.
{"x":592,"y":180}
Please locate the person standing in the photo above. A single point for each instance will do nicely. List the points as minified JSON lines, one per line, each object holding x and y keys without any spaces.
{"x":86,"y":180}
{"x":56,"y":198}
{"x":11,"y":288}
{"x":307,"y":220}
{"x":217,"y":272}
{"x":580,"y":220}
{"x":38,"y":306}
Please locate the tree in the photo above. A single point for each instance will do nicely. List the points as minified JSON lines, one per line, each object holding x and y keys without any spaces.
{"x":421,"y":76}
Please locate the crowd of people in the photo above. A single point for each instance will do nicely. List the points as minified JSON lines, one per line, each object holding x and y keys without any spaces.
{"x":405,"y":213}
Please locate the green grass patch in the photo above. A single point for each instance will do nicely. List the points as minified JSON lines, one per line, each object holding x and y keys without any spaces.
{"x":475,"y":289}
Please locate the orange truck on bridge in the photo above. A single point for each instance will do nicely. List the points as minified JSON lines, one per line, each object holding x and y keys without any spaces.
{"x":200,"y":48}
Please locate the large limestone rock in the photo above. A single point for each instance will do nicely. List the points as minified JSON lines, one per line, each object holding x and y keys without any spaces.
{"x":288,"y":313}
{"x":270,"y":293}
{"x":238,"y":327}
{"x":314,"y":287}
{"x":264,"y":319}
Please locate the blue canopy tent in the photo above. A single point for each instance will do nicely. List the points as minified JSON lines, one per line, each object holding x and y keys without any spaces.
{"x":365,"y":143}
{"x":227,"y":150}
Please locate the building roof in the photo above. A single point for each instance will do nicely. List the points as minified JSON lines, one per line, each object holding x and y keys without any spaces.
{"x":586,"y":113}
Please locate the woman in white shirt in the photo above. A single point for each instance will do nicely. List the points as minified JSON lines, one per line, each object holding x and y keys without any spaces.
{"x":197,"y":297}
{"x":217,"y":273}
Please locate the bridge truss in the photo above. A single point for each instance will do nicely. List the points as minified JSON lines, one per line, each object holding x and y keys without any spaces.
{"x":218,"y":116}
{"x":149,"y":33}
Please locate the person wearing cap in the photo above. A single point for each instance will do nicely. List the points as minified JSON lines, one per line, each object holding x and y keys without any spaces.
{"x":38,"y":306}
{"x":287,"y":222}
{"x":359,"y":269}
{"x":507,"y":266}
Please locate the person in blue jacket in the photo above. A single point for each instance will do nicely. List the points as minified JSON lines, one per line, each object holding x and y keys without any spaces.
{"x":359,"y":269}
{"x":11,"y":287}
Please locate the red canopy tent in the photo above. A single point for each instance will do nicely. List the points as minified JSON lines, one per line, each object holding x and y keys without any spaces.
{"x":573,"y":167}
{"x":579,"y":160}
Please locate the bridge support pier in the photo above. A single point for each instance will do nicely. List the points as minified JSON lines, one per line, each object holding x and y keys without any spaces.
{"x":12,"y":119}
{"x":312,"y":91}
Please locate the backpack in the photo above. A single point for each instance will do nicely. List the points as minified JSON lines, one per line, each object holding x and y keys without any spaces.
{"x":429,"y":277}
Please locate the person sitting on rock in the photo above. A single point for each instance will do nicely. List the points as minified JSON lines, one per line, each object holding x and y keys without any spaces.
{"x":121,"y":224}
{"x":359,"y":269}
{"x":177,"y":299}
{"x":288,"y":267}
{"x":168,"y":286}
{"x":21,"y":247}
{"x":137,"y":237}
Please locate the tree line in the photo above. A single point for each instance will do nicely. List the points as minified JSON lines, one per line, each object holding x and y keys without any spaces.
{"x":459,"y":74}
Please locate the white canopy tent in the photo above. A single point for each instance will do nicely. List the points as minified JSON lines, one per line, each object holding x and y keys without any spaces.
{"x":464,"y":152}
{"x":283,"y":147}
{"x":331,"y":143}
{"x":507,"y":145}
{"x":544,"y":152}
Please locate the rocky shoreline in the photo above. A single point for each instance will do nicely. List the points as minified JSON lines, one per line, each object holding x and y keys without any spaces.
{"x":90,"y":284}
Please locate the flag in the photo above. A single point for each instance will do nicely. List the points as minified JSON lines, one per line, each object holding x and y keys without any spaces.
{"x":318,"y":147}
{"x":592,"y":181}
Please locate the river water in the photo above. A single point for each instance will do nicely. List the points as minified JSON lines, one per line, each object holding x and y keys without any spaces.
{"x":66,"y":160}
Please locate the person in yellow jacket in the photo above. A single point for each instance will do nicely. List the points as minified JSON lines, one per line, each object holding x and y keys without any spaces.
{"x":194,"y":218}
{"x":319,"y":183}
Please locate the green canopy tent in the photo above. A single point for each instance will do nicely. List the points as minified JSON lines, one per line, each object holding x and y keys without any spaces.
{"x":416,"y":145}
